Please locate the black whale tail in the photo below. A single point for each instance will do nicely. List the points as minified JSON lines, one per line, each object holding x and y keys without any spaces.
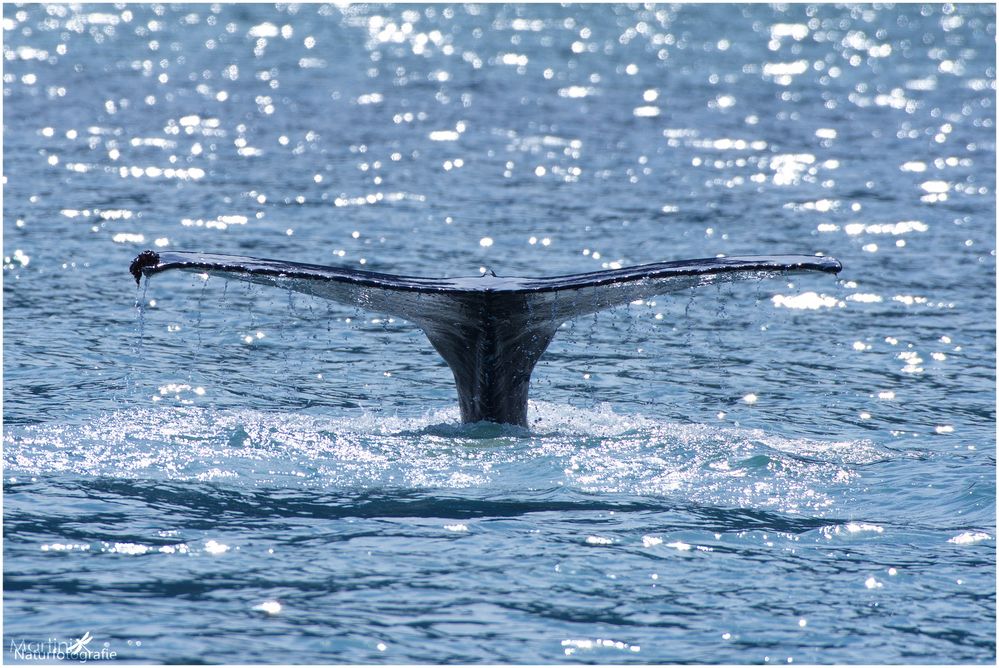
{"x":490,"y":330}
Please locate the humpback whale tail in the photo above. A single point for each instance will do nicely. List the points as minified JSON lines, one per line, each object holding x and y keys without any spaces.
{"x":490,"y":330}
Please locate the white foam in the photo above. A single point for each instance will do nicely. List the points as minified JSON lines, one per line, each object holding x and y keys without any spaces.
{"x":569,"y":448}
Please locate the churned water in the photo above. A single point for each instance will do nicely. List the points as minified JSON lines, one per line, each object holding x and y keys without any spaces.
{"x":773,"y":472}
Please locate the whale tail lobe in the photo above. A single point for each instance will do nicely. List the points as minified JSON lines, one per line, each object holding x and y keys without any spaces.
{"x":491,"y":331}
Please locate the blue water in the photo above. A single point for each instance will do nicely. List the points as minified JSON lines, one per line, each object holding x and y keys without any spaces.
{"x":784,"y":471}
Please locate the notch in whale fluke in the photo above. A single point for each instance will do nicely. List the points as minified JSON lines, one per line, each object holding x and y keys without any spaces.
{"x":490,"y":330}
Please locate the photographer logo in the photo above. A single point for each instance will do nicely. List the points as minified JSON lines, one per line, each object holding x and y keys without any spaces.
{"x":52,"y":649}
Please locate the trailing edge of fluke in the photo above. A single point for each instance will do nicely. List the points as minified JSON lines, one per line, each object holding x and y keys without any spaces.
{"x":490,"y":330}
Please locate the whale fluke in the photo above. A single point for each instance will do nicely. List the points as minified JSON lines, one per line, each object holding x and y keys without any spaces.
{"x":490,"y":330}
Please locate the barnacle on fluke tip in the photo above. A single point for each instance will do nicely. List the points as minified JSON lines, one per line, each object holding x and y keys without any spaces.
{"x":145,"y":259}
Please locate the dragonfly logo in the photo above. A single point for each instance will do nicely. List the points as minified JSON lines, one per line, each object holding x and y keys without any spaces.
{"x":81,"y":644}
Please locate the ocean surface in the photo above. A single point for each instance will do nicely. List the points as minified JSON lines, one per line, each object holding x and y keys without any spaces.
{"x":785,"y":471}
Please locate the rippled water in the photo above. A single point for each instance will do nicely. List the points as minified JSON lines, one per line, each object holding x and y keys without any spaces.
{"x":755,"y":473}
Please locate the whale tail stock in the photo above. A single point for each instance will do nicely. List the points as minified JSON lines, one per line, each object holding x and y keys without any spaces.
{"x":490,"y":330}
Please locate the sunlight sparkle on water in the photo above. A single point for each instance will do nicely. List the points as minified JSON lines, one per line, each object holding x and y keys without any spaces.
{"x":572,"y":646}
{"x":576,"y":91}
{"x":807,"y":301}
{"x":270,"y":607}
{"x":214,"y":547}
{"x":903,"y":227}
